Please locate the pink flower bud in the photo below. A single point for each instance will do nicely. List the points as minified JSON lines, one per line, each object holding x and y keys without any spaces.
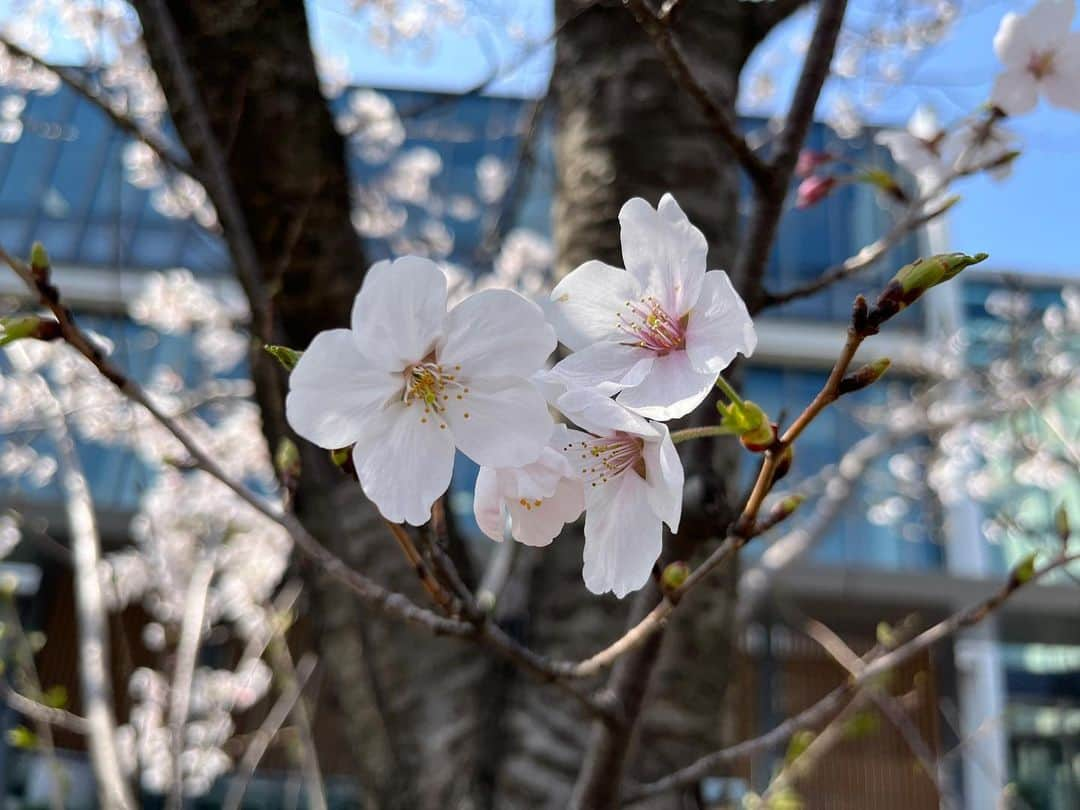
{"x":813,"y":190}
{"x":810,"y":160}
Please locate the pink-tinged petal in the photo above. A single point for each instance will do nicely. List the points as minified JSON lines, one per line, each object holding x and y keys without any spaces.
{"x":665,"y":477}
{"x":664,"y":251}
{"x":497,"y":333}
{"x":487,"y":504}
{"x":334,"y":389}
{"x":623,"y":538}
{"x":540,"y":521}
{"x":586,"y":305}
{"x":719,"y":326}
{"x":400,"y":311}
{"x":602,"y":416}
{"x":672,"y":389}
{"x":1062,"y":87}
{"x":1043,"y":28}
{"x":1015,"y":92}
{"x":500,"y":422}
{"x":605,"y":366}
{"x":404,"y":460}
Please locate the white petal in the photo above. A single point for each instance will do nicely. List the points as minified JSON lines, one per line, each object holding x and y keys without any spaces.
{"x":908,"y":151}
{"x":623,"y":538}
{"x":602,"y":416}
{"x":539,"y":525}
{"x":497,"y":333}
{"x":664,"y":251}
{"x":400,"y":311}
{"x":403,"y":463}
{"x":334,"y":389}
{"x":665,"y":477}
{"x":1015,"y":91}
{"x":585,"y":306}
{"x":1062,"y":87}
{"x":541,"y":478}
{"x":924,"y":124}
{"x":1043,"y":28}
{"x":487,"y":504}
{"x":605,"y":366}
{"x":501,"y":422}
{"x":719,"y":326}
{"x":672,"y":389}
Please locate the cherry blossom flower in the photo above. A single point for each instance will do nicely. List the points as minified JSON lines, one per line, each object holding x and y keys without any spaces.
{"x":633,"y":484}
{"x":919,"y":149}
{"x":658,"y":333}
{"x":982,"y":144}
{"x":410,"y":382}
{"x":1041,"y":55}
{"x":539,"y":498}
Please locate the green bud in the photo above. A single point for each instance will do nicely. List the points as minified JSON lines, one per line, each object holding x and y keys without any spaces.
{"x":341,"y":456}
{"x":55,"y":697}
{"x":749,"y":422}
{"x":284,"y":355}
{"x":287,"y":459}
{"x":798,"y":744}
{"x":914,"y":279}
{"x":674,"y":576}
{"x":39,"y":260}
{"x":884,"y":182}
{"x":22,"y":737}
{"x":783,"y":466}
{"x":9,"y":585}
{"x":861,"y":724}
{"x":865,"y":376}
{"x":1061,"y":524}
{"x":21,"y":327}
{"x":1024,"y":570}
{"x":886,"y":636}
{"x":785,"y":508}
{"x":36,"y":639}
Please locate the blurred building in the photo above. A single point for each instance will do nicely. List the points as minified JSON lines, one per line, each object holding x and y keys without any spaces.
{"x":455,"y":178}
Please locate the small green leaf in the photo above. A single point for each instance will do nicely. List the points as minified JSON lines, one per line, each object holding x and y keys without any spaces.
{"x":798,"y":744}
{"x":287,"y":459}
{"x":861,"y":724}
{"x":284,"y":355}
{"x":886,"y":636}
{"x":1061,"y":524}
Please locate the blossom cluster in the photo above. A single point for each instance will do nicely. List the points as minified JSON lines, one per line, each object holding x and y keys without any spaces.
{"x":412,"y":381}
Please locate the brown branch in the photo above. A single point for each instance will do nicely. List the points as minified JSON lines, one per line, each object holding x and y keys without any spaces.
{"x":818,"y":712}
{"x":860,"y":261}
{"x":720,"y":118}
{"x":388,"y":603}
{"x":40,"y":713}
{"x":769,"y":198}
{"x":216,"y":179}
{"x":75,"y":79}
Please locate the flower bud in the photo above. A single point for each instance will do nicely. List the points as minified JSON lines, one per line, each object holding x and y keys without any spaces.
{"x":885,"y":183}
{"x":39,"y":261}
{"x":813,"y":190}
{"x":1023,"y":571}
{"x":863,"y":377}
{"x":750,"y":423}
{"x":27,"y":326}
{"x":914,"y":279}
{"x":783,"y":466}
{"x":287,"y":460}
{"x":1061,"y":524}
{"x":810,"y":160}
{"x":785,"y":508}
{"x":284,"y":355}
{"x":674,"y":576}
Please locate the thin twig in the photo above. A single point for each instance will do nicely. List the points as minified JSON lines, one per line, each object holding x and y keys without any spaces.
{"x":75,"y":79}
{"x":262,"y":738}
{"x":720,"y":118}
{"x":93,"y":626}
{"x":818,"y":712}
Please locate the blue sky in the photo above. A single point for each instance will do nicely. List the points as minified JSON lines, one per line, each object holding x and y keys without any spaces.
{"x":1029,"y":223}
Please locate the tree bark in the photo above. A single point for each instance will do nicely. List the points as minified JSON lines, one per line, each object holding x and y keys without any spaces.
{"x":432,"y":723}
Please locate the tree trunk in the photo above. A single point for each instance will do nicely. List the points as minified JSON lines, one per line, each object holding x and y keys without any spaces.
{"x":435,"y":723}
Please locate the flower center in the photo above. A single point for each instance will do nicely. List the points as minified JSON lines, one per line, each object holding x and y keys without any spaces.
{"x":1041,"y":64}
{"x":433,"y":387}
{"x":602,"y":458}
{"x":651,"y":327}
